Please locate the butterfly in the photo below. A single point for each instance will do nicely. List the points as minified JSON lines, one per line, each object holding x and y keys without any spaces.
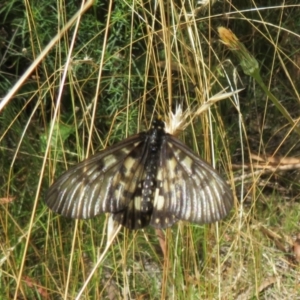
{"x":150,"y":178}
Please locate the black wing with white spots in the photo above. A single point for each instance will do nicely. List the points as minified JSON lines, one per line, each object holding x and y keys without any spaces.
{"x":189,"y":189}
{"x":149,"y":178}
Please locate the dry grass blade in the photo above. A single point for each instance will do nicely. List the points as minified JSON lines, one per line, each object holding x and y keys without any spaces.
{"x":251,"y":291}
{"x":99,"y":261}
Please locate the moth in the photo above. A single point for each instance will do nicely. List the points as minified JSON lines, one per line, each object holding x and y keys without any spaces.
{"x":150,"y":178}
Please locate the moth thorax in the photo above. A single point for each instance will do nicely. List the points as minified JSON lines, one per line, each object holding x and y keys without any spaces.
{"x":149,"y":184}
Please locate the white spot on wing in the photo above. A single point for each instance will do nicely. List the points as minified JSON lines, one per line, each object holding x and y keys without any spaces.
{"x":158,"y":200}
{"x":128,"y":163}
{"x":137,"y":203}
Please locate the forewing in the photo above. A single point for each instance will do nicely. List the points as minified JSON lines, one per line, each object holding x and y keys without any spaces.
{"x":190,"y":188}
{"x":105,"y":182}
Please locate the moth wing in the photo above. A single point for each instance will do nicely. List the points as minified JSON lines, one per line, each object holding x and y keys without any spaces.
{"x":189,"y":188}
{"x":104,"y":182}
